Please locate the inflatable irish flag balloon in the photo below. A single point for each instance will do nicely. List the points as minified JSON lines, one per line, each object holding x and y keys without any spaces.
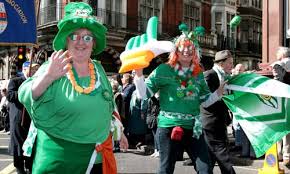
{"x":140,"y":50}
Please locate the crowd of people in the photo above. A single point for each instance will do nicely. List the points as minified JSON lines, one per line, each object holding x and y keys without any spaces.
{"x":68,"y":108}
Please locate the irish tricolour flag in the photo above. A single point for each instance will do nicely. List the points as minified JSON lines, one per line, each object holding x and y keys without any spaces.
{"x":262,"y":107}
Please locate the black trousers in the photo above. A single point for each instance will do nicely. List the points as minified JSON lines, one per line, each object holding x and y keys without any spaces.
{"x":97,"y":169}
{"x":219,"y":151}
{"x":22,"y":163}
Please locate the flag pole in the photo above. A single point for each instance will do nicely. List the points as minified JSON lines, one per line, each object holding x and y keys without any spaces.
{"x":31,"y":54}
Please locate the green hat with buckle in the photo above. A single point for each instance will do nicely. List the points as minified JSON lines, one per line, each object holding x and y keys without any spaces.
{"x":79,"y":15}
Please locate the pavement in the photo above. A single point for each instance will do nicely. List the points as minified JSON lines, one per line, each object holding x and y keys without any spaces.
{"x":139,"y":161}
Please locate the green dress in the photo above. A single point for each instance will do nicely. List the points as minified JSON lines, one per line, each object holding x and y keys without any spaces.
{"x":69,"y":123}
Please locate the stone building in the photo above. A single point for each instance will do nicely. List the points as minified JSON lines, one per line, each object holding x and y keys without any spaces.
{"x":127,"y":18}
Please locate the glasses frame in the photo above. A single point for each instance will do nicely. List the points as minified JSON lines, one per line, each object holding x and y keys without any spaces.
{"x":76,"y":37}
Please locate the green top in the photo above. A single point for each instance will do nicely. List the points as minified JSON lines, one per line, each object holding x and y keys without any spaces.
{"x":165,"y":80}
{"x":66,"y":114}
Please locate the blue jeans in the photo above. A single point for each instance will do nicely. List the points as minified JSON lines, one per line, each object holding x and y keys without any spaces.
{"x":156,"y":142}
{"x":196,"y":149}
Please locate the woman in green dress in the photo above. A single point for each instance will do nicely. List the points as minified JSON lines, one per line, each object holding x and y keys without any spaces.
{"x":70,"y":100}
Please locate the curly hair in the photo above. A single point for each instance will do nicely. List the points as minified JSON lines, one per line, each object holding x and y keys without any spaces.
{"x":173,"y":59}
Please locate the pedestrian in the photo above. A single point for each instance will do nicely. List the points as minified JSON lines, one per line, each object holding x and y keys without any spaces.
{"x":151,"y":121}
{"x":4,"y":111}
{"x":19,"y":121}
{"x":239,"y":68}
{"x":118,"y":98}
{"x":137,"y":127}
{"x":182,"y":89}
{"x":281,"y":72}
{"x":127,"y":91}
{"x":216,"y":117}
{"x":70,"y":100}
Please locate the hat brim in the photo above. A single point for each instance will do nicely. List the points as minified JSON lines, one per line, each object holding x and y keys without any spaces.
{"x":97,"y":29}
{"x":219,"y":60}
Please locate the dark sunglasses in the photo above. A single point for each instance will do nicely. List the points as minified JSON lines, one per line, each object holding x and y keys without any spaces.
{"x":86,"y":38}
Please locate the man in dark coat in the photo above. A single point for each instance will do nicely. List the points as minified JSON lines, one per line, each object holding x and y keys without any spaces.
{"x":216,"y":117}
{"x":19,"y":121}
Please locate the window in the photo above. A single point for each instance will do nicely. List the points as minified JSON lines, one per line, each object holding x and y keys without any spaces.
{"x":114,"y":16}
{"x":218,"y":22}
{"x":243,"y":3}
{"x":49,"y":12}
{"x":231,"y":2}
{"x":257,"y":3}
{"x":148,"y":8}
{"x":257,"y":33}
{"x":191,"y":15}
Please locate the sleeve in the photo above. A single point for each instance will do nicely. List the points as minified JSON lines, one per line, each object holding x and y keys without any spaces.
{"x":119,"y":103}
{"x":146,"y":89}
{"x":204,"y":90}
{"x":144,"y":105}
{"x":208,"y":98}
{"x":12,"y":95}
{"x":41,"y":109}
{"x":153,"y":82}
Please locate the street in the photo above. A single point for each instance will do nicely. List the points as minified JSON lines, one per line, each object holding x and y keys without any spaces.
{"x":135,"y":162}
{"x":5,"y":158}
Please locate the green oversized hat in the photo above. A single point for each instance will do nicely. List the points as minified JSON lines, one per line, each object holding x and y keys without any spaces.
{"x":79,"y":15}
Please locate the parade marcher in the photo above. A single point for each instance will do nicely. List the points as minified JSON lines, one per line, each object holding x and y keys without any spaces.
{"x":182,"y":90}
{"x":216,"y":118}
{"x":70,"y":100}
{"x":19,"y":121}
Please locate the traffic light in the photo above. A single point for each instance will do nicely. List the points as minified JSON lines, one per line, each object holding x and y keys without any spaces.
{"x":21,"y":56}
{"x":21,"y":53}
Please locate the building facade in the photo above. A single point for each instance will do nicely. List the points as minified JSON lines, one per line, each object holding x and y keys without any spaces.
{"x":127,"y":18}
{"x":249,"y":45}
{"x":276,"y":31}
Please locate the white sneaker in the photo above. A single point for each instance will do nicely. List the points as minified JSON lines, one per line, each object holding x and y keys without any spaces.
{"x":156,"y":155}
{"x":153,"y":154}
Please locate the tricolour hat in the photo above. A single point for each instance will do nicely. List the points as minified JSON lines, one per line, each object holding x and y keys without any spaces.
{"x":222,"y":55}
{"x":79,"y":15}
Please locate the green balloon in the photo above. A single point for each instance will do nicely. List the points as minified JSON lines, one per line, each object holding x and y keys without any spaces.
{"x":235,"y":21}
{"x":199,"y":31}
{"x":183,"y":27}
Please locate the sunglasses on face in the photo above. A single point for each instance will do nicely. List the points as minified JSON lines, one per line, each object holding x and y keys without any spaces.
{"x":86,"y":38}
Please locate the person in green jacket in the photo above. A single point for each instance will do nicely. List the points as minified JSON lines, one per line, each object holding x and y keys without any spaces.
{"x":70,"y":101}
